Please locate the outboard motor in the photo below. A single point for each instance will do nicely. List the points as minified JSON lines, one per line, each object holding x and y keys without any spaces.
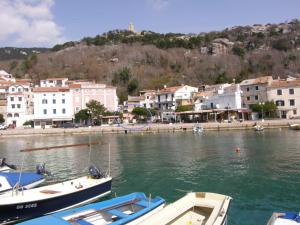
{"x":3,"y":163}
{"x":41,"y":169}
{"x":95,"y":172}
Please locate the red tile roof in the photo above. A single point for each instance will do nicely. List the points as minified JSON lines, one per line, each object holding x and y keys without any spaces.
{"x":285,"y":83}
{"x":75,"y":85}
{"x":169,"y":89}
{"x":258,"y":80}
{"x":51,"y":89}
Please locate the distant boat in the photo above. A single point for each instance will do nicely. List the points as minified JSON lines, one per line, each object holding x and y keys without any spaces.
{"x":128,"y":209}
{"x":195,"y":208}
{"x":295,"y":126}
{"x":5,"y":167}
{"x":198,"y":129}
{"x":25,"y":204}
{"x":285,"y":218}
{"x":259,"y":128}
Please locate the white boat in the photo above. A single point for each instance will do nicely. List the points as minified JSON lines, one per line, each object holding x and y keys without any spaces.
{"x":259,"y":128}
{"x":295,"y":126}
{"x":285,"y":218}
{"x":4,"y":167}
{"x":25,"y":204}
{"x":198,"y":129}
{"x":198,"y":208}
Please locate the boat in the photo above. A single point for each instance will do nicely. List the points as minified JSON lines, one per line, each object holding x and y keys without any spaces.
{"x":198,"y":129}
{"x":25,"y":204}
{"x":295,"y":126}
{"x":201,"y":208}
{"x":128,"y":209}
{"x":259,"y":128}
{"x":5,"y":167}
{"x":284,"y":218}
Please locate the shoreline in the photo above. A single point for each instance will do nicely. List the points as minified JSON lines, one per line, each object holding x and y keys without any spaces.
{"x":150,"y":128}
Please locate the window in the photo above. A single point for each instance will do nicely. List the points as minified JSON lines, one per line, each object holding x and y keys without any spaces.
{"x":9,"y":115}
{"x":54,"y":111}
{"x":292,"y":102}
{"x":54,"y":101}
{"x":26,"y":89}
{"x":77,"y":109}
{"x":166,"y":96}
{"x":45,"y":111}
{"x":77,"y":90}
{"x":248,"y":89}
{"x":19,"y":89}
{"x":44,"y":94}
{"x":13,"y":106}
{"x":63,"y":101}
{"x":16,"y":115}
{"x":18,"y":106}
{"x":12,"y":99}
{"x":291,"y":91}
{"x":295,"y":111}
{"x":248,"y":98}
{"x":20,"y":99}
{"x":53,"y":94}
{"x":44,"y":101}
{"x":256,"y":88}
{"x":279,"y":92}
{"x":256,"y":97}
{"x":13,"y":90}
{"x":280,"y":103}
{"x":64,"y":111}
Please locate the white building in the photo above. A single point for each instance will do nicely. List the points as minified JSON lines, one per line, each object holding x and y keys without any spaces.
{"x":54,"y":82}
{"x":19,"y":104}
{"x":286,"y":96}
{"x":52,"y":106}
{"x":169,"y":98}
{"x":4,"y":76}
{"x":229,"y":97}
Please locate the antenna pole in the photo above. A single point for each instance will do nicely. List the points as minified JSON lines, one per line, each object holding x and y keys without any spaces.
{"x":90,"y":150}
{"x":108,"y":159}
{"x":21,"y":171}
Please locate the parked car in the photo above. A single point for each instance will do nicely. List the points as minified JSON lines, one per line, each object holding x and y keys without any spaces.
{"x":70,"y":125}
{"x":3,"y":127}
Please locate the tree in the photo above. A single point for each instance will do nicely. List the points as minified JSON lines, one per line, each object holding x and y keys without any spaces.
{"x":82,"y":115}
{"x":268,"y":108}
{"x":222,"y":78}
{"x":132,"y":86}
{"x":96,"y":109}
{"x":2,"y":120}
{"x":140,"y":112}
{"x":238,"y":51}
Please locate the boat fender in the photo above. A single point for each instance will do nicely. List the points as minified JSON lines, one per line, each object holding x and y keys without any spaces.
{"x":95,"y":172}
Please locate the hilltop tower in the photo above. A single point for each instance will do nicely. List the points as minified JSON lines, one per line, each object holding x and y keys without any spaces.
{"x":131,"y":27}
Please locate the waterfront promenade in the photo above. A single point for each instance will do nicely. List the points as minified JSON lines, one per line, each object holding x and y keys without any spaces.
{"x":148,"y":128}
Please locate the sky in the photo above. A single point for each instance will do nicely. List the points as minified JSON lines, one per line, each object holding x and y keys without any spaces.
{"x":44,"y":23}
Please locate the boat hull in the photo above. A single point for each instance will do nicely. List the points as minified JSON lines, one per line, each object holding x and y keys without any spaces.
{"x":14,"y":212}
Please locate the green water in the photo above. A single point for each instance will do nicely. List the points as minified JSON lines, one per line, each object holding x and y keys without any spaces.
{"x":264,"y":177}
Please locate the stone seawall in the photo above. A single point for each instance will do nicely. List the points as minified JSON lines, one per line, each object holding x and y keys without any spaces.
{"x":150,"y":128}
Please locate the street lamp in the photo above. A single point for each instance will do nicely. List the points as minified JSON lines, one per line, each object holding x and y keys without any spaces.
{"x":262,"y":110}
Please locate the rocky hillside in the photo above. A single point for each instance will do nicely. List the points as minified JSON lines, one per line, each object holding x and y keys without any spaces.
{"x":134,"y":61}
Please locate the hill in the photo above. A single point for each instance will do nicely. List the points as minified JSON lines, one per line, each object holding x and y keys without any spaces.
{"x":148,"y":60}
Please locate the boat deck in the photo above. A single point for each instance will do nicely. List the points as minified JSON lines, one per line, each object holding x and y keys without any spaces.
{"x":50,"y":191}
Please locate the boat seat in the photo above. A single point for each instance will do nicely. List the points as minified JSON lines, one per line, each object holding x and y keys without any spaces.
{"x":83,"y":222}
{"x":117,"y":213}
{"x":142,"y":203}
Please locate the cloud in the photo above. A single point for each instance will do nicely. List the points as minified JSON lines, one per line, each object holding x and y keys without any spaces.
{"x":158,"y":5}
{"x":29,"y":23}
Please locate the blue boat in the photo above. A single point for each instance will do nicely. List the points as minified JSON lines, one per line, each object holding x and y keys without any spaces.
{"x":285,"y":218}
{"x":128,"y":209}
{"x":19,"y":180}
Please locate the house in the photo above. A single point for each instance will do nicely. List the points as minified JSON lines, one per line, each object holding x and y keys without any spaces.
{"x":286,"y":96}
{"x":168,"y":98}
{"x":254,"y":91}
{"x":54,"y":82}
{"x":52,"y":106}
{"x":148,"y":98}
{"x":4,"y":76}
{"x":19,"y":103}
{"x":85,"y":91}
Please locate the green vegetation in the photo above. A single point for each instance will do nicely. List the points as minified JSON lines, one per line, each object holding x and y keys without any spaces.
{"x":184,"y":108}
{"x":82,"y":116}
{"x":133,"y":85}
{"x":268,"y":109}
